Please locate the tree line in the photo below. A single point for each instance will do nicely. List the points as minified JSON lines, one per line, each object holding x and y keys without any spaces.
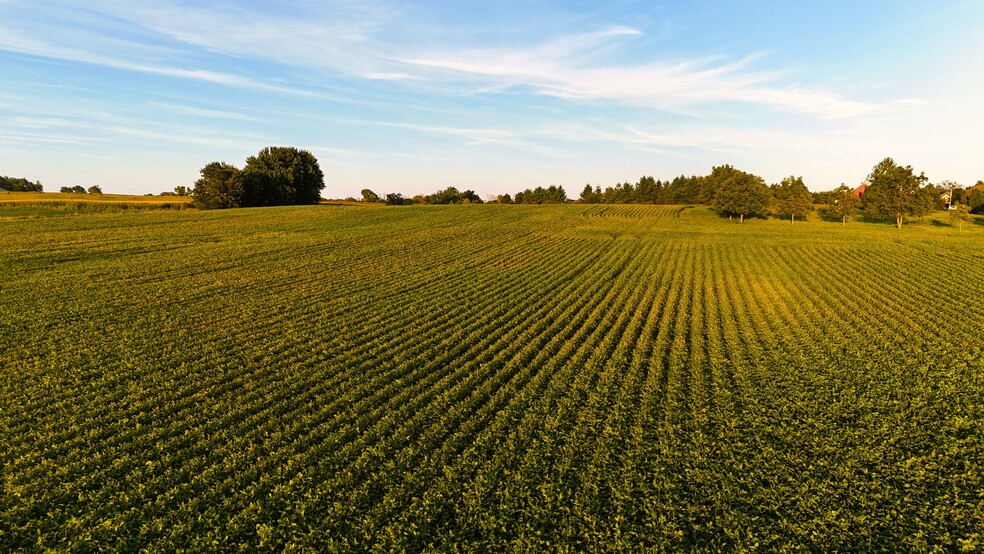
{"x":79,"y":189}
{"x":894,"y":192}
{"x":19,"y":184}
{"x":451,"y":195}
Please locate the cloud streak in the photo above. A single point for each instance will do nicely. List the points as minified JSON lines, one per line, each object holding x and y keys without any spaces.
{"x":565,"y":68}
{"x":353,"y":39}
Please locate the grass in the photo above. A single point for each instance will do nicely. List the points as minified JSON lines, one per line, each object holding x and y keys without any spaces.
{"x":489,"y":378}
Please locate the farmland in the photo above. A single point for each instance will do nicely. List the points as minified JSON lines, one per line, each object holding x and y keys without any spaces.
{"x":489,"y":378}
{"x":37,"y":204}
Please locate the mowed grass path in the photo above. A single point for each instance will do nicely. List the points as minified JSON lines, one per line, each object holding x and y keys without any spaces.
{"x":489,"y":378}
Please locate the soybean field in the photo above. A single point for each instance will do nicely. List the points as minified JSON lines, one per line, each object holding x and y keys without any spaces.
{"x":487,"y":378}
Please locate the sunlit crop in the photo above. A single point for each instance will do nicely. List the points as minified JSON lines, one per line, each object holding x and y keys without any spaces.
{"x":489,"y":378}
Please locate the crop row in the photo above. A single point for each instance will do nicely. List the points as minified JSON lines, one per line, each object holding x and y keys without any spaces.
{"x":491,"y":377}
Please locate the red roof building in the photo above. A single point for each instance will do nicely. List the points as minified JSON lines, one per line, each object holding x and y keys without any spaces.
{"x":860,"y":190}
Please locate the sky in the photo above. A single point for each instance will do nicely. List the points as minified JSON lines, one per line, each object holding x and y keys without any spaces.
{"x":412,"y":97}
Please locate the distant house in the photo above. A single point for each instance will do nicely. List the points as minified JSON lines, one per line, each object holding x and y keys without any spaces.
{"x":4,"y":191}
{"x":860,"y":190}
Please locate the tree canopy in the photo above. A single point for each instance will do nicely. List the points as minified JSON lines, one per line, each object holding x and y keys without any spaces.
{"x":18,"y":184}
{"x":897,"y":192}
{"x":219,"y":187}
{"x":736,"y":193}
{"x":844,"y":203}
{"x":281,"y":176}
{"x":452,"y":195}
{"x":791,"y":198}
{"x":276,"y":176}
{"x":550,"y":195}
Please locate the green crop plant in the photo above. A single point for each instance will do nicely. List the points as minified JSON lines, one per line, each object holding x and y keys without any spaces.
{"x":489,"y":378}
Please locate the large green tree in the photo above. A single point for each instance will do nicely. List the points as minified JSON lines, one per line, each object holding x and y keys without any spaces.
{"x":844,"y":203}
{"x":975,"y":198}
{"x":220,"y":186}
{"x":282,"y":175}
{"x":736,"y":193}
{"x":897,"y":192}
{"x":792,"y":198}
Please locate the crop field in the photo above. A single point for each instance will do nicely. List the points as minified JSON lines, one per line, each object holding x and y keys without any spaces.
{"x":489,"y":378}
{"x":35,"y":204}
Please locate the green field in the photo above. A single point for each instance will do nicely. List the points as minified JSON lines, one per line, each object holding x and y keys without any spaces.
{"x":18,"y":205}
{"x":489,"y":378}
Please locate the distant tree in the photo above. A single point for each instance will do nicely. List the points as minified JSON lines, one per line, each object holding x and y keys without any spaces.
{"x":220,"y":186}
{"x":736,"y":193}
{"x":975,"y":199}
{"x":826,"y":196}
{"x":94,"y":189}
{"x":469,"y":197}
{"x":540,"y":195}
{"x":895,"y":191}
{"x":683,"y":190}
{"x":648,"y":190}
{"x":960,"y":214}
{"x":590,"y":195}
{"x":957,"y":197}
{"x":397,"y":199}
{"x":77,"y":189}
{"x":181,"y":190}
{"x":16,"y":184}
{"x":505,"y":199}
{"x":452,"y":195}
{"x":844,"y":204}
{"x":65,"y":190}
{"x":792,"y":198}
{"x":369,"y":196}
{"x":282,"y":176}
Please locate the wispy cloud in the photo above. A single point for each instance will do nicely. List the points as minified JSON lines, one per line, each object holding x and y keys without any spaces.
{"x":18,"y":42}
{"x":472,"y":136}
{"x":354,"y":39}
{"x":204,"y":112}
{"x":569,"y":68}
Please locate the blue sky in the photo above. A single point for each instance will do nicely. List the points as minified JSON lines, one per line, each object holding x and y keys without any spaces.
{"x":493,"y":96}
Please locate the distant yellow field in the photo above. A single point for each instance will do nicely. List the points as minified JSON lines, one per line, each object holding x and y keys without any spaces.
{"x":109,"y":198}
